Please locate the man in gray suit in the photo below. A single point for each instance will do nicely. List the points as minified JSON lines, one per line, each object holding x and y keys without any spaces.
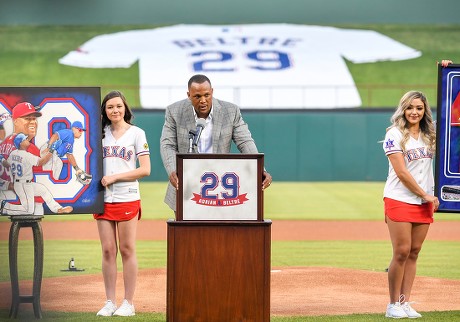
{"x":224,"y":123}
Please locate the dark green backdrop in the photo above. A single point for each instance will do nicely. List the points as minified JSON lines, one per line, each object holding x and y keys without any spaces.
{"x":303,"y":145}
{"x":82,"y":12}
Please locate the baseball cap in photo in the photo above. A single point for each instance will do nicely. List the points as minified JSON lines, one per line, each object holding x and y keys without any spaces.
{"x":78,"y":125}
{"x":18,"y":139}
{"x":25,"y":109}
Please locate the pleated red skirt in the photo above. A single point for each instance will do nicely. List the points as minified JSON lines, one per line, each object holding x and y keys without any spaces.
{"x":406,"y":212}
{"x":120,"y":211}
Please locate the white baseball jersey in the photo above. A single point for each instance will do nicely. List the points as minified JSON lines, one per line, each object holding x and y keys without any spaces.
{"x":120,"y":155}
{"x":255,"y":65}
{"x":419,"y":162}
{"x":21,"y":163}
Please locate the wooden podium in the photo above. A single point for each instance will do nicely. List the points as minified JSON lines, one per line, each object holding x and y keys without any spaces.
{"x":218,"y":265}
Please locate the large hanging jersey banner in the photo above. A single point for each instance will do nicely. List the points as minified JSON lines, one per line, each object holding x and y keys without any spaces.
{"x":254,"y":66}
{"x":447,"y":170}
{"x":63,"y":128}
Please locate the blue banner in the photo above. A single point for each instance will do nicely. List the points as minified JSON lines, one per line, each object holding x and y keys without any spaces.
{"x":447,"y":168}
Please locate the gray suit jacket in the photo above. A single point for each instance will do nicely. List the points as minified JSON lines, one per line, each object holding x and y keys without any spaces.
{"x":228,"y":125}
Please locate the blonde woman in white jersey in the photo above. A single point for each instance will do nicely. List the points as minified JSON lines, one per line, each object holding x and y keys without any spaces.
{"x":126,"y":158}
{"x":408,"y":195}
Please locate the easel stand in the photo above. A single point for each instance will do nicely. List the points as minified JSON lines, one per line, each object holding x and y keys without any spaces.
{"x":17,"y":222}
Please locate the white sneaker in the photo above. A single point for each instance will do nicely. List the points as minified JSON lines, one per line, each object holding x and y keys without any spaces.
{"x":125,"y":309}
{"x":395,"y":311}
{"x":108,"y":309}
{"x":411,"y":313}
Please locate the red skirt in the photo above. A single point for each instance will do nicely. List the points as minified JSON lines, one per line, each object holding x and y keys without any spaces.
{"x":406,"y":212}
{"x":120,"y":211}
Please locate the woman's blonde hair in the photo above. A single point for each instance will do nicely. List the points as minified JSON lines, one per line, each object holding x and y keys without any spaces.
{"x":427,"y":128}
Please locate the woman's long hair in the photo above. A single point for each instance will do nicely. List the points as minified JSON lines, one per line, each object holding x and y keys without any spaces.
{"x":427,"y":128}
{"x":105,"y":120}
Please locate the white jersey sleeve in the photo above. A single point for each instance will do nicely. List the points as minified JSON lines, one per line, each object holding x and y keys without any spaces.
{"x":392,"y":141}
{"x":354,"y":46}
{"x":89,"y":54}
{"x":142,"y":147}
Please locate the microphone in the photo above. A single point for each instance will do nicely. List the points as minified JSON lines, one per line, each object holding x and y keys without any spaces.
{"x":200,"y":125}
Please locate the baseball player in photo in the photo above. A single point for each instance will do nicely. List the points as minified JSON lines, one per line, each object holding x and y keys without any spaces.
{"x":24,"y":119}
{"x":5,"y":185}
{"x":3,"y":118}
{"x":61,"y":145}
{"x":20,"y":163}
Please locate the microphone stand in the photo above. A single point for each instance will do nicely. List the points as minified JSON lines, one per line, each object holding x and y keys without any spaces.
{"x":191,"y":136}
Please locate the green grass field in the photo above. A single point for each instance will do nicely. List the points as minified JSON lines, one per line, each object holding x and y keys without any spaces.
{"x":29,"y":57}
{"x":155,"y":317}
{"x":283,"y":201}
{"x":288,"y":201}
{"x":436,"y":259}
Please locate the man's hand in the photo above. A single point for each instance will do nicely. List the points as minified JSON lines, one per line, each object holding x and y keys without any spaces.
{"x":174,"y":179}
{"x":267,"y":180}
{"x":446,"y":62}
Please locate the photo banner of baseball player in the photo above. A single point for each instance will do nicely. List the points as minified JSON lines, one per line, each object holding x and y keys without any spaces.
{"x":50,"y":151}
{"x":447,"y":167}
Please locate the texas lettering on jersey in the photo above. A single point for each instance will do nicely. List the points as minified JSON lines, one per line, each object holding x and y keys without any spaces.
{"x":116,"y":151}
{"x":6,"y":148}
{"x":419,"y":153}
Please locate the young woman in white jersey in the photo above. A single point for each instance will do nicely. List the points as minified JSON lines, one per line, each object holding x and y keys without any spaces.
{"x":126,"y":158}
{"x":408,"y":195}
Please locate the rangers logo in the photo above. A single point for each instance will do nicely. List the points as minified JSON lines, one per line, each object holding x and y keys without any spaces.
{"x":389,"y":144}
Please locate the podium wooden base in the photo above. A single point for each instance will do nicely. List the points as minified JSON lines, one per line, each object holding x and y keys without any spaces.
{"x":218,"y":271}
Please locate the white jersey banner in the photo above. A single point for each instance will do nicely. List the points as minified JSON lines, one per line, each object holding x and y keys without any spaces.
{"x":255,"y":66}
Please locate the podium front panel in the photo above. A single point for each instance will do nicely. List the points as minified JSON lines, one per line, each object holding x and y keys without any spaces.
{"x":220,"y":187}
{"x":218,"y":271}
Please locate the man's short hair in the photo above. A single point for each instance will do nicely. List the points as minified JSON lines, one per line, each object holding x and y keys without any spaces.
{"x":199,"y":79}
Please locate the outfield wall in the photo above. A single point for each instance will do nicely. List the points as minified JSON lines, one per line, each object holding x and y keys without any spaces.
{"x":117,"y":12}
{"x":303,"y":145}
